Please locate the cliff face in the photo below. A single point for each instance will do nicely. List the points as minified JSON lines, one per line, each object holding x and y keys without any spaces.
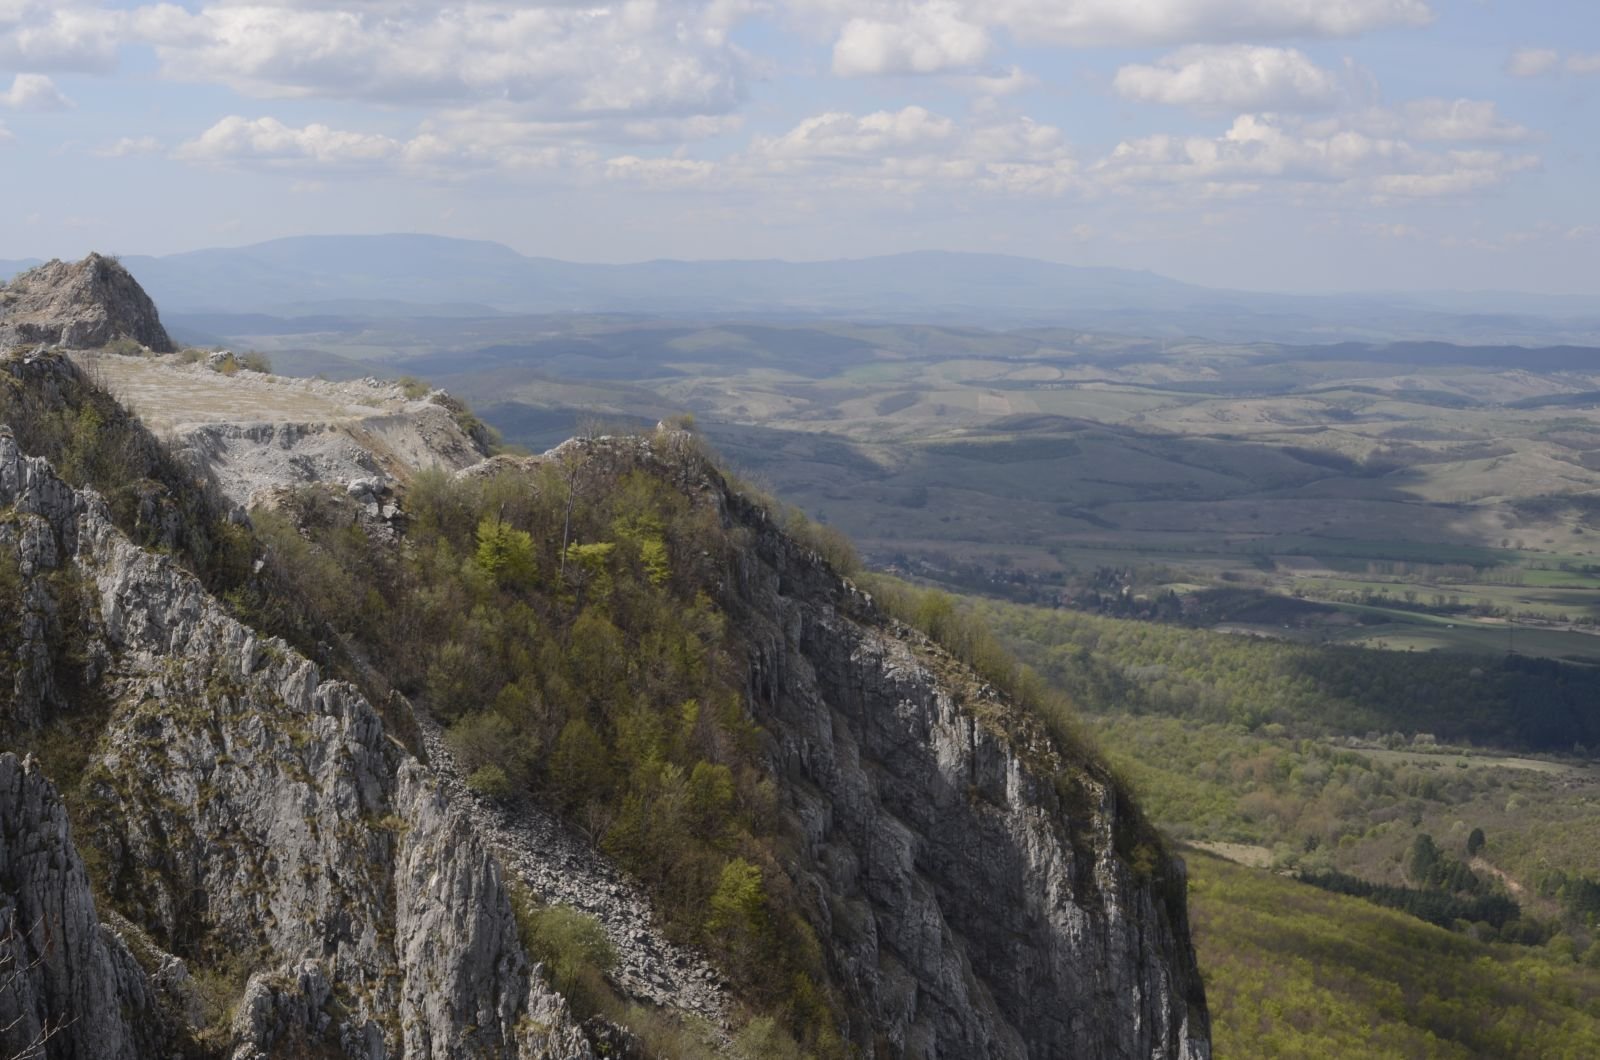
{"x":246,"y":814}
{"x":79,"y":305}
{"x":253,"y":866}
{"x":972,"y":903}
{"x":70,"y":984}
{"x":978,"y":889}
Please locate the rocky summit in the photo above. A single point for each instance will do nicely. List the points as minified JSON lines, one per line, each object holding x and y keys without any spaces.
{"x":584,"y":754}
{"x":80,"y":305}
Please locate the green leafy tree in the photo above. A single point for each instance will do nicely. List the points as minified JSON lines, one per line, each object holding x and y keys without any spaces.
{"x":580,"y":767}
{"x":738,"y":911}
{"x":1422,"y":865}
{"x":710,"y":798}
{"x":506,"y":554}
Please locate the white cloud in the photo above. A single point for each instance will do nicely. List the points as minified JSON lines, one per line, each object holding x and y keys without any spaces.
{"x":888,"y":157}
{"x":1385,"y":230}
{"x":1449,"y":182}
{"x":1536,"y":62}
{"x":659,"y":172}
{"x":1233,"y":77}
{"x":931,"y":38}
{"x":1531,"y":62}
{"x":673,"y":130}
{"x":40,"y":35}
{"x":1461,"y":120}
{"x":840,"y":135}
{"x":6,"y":135}
{"x":438,"y":150}
{"x":1009,"y":83}
{"x":905,"y":152}
{"x":1109,"y":22}
{"x":1093,"y":23}
{"x":551,"y":58}
{"x":130,"y":145}
{"x":1266,"y":151}
{"x":237,"y":139}
{"x":34,"y":92}
{"x":1432,"y":120}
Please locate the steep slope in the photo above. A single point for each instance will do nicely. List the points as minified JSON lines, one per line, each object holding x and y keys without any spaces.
{"x":979,"y":897}
{"x":79,"y":305}
{"x":252,"y":817}
{"x":70,"y":983}
{"x":885,"y":855}
{"x":971,"y":881}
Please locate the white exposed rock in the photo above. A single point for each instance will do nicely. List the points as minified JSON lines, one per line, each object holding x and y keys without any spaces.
{"x":247,"y":804}
{"x":253,"y":431}
{"x":931,"y":835}
{"x":71,"y":987}
{"x":80,"y":305}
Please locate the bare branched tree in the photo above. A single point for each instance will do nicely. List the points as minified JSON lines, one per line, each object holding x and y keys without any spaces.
{"x":14,"y":976}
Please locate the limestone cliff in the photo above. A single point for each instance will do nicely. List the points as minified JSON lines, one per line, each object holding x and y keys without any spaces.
{"x":248,"y":815}
{"x":79,"y":305}
{"x":973,"y":882}
{"x":220,"y":851}
{"x":68,"y":984}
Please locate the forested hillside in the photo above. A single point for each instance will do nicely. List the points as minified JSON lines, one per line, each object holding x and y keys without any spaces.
{"x":1110,"y":665}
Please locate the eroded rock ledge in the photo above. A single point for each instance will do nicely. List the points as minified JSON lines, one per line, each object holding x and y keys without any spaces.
{"x":251,"y":818}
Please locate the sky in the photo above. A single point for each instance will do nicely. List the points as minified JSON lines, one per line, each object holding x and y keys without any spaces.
{"x":1293,"y":145}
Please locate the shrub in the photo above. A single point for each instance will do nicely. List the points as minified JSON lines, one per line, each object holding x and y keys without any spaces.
{"x":738,"y":911}
{"x":580,"y":768}
{"x":763,"y":1039}
{"x":506,"y":554}
{"x":573,"y":948}
{"x":413,"y":387}
{"x":125,"y":347}
{"x":494,"y":746}
{"x":492,"y":781}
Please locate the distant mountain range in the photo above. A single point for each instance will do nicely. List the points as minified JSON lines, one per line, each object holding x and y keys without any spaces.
{"x":415,"y":275}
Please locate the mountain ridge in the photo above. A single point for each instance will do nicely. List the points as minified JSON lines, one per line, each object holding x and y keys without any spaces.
{"x":930,"y":868}
{"x":931,"y":286}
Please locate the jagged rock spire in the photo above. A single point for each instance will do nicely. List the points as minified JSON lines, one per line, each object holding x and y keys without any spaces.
{"x":80,"y":305}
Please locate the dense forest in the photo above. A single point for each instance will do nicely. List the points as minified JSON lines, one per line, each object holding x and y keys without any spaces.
{"x":1293,"y":970}
{"x":1115,"y":666}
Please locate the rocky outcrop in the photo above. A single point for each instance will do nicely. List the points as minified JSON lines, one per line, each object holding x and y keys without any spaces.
{"x":80,"y":305}
{"x":254,"y":432}
{"x":250,"y":461}
{"x":972,"y":883}
{"x":257,"y":821}
{"x":69,"y":987}
{"x":564,"y":868}
{"x":979,"y":889}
